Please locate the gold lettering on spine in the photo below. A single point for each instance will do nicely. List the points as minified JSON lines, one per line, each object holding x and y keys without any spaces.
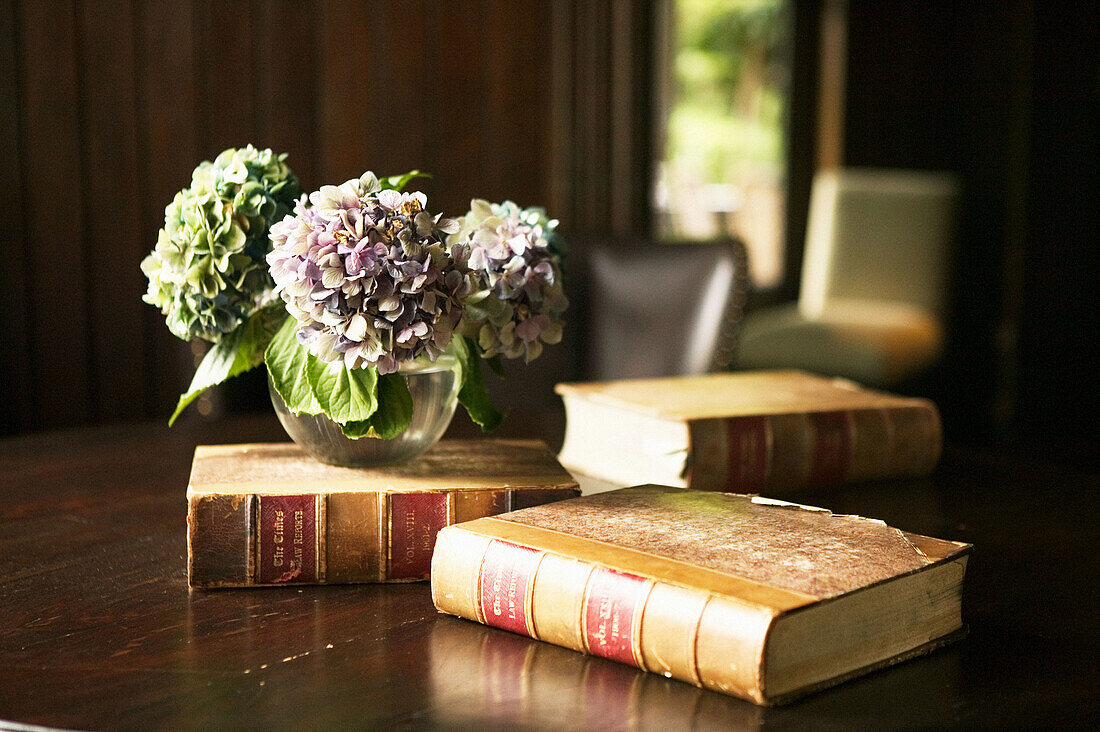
{"x":299,"y":538}
{"x":277,"y":556}
{"x":410,"y":534}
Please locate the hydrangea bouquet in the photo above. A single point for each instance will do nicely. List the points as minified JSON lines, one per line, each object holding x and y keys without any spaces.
{"x":208,"y":274}
{"x":362,"y":281}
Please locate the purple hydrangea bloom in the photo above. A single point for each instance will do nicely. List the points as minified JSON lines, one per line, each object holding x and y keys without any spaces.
{"x":366,"y":275}
{"x":520,"y":299}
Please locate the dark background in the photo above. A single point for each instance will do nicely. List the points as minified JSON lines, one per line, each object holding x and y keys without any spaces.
{"x":106,"y":106}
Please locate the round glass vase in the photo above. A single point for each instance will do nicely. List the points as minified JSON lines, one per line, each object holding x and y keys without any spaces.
{"x":433,"y":386}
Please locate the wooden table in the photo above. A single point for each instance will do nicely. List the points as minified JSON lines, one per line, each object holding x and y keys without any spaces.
{"x":98,"y":629}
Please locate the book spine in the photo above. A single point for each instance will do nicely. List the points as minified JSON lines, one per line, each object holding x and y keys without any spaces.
{"x":322,"y":538}
{"x":690,"y":635}
{"x":789,"y":451}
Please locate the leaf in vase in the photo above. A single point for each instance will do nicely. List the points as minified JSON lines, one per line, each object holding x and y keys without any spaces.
{"x":345,"y":395}
{"x":473,"y":395}
{"x":395,"y":407}
{"x":235,"y":353}
{"x":287,"y":363}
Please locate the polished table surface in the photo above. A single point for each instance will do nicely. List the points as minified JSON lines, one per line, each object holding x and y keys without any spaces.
{"x":98,"y":629}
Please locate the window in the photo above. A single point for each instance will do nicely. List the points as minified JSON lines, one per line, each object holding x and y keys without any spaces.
{"x":722,"y":168}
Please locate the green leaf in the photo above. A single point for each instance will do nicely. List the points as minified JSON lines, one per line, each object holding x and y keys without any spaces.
{"x":394,"y":413}
{"x":495,"y":365}
{"x":358,"y":430}
{"x":398,"y":182}
{"x":473,"y":395}
{"x":287,"y":363}
{"x":395,"y":407}
{"x":345,"y":395}
{"x":235,"y":353}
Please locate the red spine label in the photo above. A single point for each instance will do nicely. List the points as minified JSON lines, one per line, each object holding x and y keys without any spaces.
{"x":505,"y":585}
{"x":415,"y":519}
{"x":748,"y":453}
{"x":287,"y":537}
{"x":832,"y":447}
{"x":612,"y":599}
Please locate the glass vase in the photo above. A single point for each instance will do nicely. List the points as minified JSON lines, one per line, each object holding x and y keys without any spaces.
{"x":433,"y":386}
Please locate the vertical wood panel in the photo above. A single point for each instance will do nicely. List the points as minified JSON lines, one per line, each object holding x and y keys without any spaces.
{"x":285,"y":94}
{"x":108,"y":106}
{"x":112,"y":211}
{"x":622,"y":102}
{"x":593,"y":117}
{"x":169,"y":151}
{"x":456,"y":95}
{"x":226,"y":89}
{"x":226,"y":94}
{"x":55,"y":274}
{"x":347,"y":92}
{"x":518,"y":67}
{"x":14,"y":347}
{"x":561,"y":171}
{"x":395,"y":89}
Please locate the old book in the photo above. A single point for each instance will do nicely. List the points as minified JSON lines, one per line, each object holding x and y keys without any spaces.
{"x":753,"y":597}
{"x":268,"y":514}
{"x":755,"y":431}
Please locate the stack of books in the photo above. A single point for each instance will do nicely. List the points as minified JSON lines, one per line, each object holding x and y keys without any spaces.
{"x":688,"y":572}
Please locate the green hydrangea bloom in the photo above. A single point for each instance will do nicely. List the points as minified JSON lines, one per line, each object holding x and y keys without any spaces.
{"x":207,"y":273}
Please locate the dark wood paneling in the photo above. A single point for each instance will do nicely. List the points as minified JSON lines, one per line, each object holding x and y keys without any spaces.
{"x":393,"y":89}
{"x":517,"y":107}
{"x":58,"y":324}
{"x":168,"y":128}
{"x":286,"y":106}
{"x":345,"y":90}
{"x":454,"y":101}
{"x":107,"y":107}
{"x":15,"y":405}
{"x":602,"y":91}
{"x":225,"y":76}
{"x":1005,"y":96}
{"x":112,"y":205}
{"x":1060,"y":299}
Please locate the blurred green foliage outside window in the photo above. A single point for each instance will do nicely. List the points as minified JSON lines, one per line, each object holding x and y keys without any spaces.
{"x":722,"y":171}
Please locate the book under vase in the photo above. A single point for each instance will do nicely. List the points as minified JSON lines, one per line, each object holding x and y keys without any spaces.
{"x":433,"y":387}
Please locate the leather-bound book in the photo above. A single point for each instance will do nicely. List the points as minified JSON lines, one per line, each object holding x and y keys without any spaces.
{"x":753,"y":597}
{"x":753,"y":431}
{"x":269,"y":514}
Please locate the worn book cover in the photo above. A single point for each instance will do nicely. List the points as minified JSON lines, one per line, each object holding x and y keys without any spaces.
{"x":269,"y":514}
{"x":753,"y":431}
{"x":749,"y":596}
